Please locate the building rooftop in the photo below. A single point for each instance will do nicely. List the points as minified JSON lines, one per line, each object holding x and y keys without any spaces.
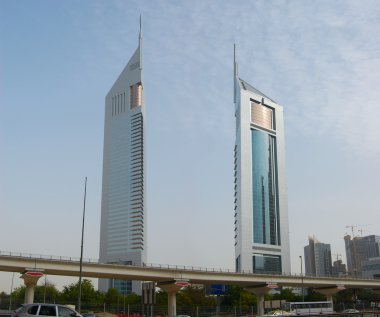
{"x":248,"y":87}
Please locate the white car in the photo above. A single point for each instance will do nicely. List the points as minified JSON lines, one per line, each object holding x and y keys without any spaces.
{"x":277,"y":312}
{"x":46,"y":310}
{"x":350,"y":311}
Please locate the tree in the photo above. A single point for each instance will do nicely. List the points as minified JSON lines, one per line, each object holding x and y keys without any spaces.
{"x":194,"y":296}
{"x":238,"y":296}
{"x":345,"y":296}
{"x":4,"y":300}
{"x":369,"y":295}
{"x":132,"y":299}
{"x":89,"y":296}
{"x":314,"y":296}
{"x":46,"y":293}
{"x":112,"y":296}
{"x":116,"y":302}
{"x":161,"y":298}
{"x":288,"y":295}
{"x":18,"y":295}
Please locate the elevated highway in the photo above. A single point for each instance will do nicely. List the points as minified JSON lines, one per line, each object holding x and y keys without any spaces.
{"x":167,"y":277}
{"x":52,"y":266}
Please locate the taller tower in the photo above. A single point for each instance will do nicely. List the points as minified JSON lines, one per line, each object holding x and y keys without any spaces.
{"x":123,"y":215}
{"x":261,"y":216}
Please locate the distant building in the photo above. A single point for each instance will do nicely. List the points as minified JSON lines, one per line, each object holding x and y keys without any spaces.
{"x":123,"y":210}
{"x":338,"y":269}
{"x":261,"y":215}
{"x":359,"y":249}
{"x":317,"y":258}
{"x":371,"y":268}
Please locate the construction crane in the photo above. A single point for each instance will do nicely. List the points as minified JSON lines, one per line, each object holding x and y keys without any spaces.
{"x":355,"y":226}
{"x":337,"y":255}
{"x":361,"y":231}
{"x":352,"y":229}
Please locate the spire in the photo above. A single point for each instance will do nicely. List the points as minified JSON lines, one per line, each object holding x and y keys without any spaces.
{"x":140,"y":44}
{"x":235,"y":64}
{"x":235,"y":72}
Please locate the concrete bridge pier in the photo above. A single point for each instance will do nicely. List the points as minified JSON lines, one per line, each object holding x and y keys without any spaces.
{"x":30,"y":280}
{"x":259,"y":291}
{"x":330,"y":291}
{"x":172,"y":289}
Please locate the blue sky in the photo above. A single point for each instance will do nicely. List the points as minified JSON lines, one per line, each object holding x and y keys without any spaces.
{"x":58,"y":59}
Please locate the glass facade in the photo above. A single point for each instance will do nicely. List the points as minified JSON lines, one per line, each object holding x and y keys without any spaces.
{"x":124,"y":287}
{"x":266,"y":227}
{"x":125,"y":190}
{"x":118,"y":219}
{"x":135,"y":92}
{"x":264,"y":263}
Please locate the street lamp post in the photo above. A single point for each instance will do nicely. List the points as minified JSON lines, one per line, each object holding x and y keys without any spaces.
{"x":10,"y":297}
{"x":81,"y":249}
{"x":303,"y":297}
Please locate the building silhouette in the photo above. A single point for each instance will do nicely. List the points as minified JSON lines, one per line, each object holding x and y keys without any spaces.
{"x":123,"y":210}
{"x":359,"y":249}
{"x":338,"y":269}
{"x":261,"y":217}
{"x":317,"y":258}
{"x":371,"y":268}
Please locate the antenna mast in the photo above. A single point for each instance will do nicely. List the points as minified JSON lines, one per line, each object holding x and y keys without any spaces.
{"x":235,"y":72}
{"x":140,"y":43}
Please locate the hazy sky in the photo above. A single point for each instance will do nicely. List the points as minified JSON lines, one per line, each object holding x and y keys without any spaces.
{"x":58,"y":59}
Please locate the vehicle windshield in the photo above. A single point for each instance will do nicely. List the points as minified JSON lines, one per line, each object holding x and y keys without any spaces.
{"x":18,"y":309}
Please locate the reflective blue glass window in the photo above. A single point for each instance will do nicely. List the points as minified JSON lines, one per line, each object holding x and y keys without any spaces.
{"x":123,"y":286}
{"x":265,"y":263}
{"x":266,"y":228}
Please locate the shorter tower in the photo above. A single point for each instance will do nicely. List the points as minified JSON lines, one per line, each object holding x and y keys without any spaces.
{"x":318,"y":258}
{"x":261,"y":216}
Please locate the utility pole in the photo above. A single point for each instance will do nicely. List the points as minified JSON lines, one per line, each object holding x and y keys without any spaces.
{"x":81,"y":248}
{"x":303,"y":296}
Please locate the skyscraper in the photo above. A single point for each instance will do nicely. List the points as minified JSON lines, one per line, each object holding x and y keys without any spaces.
{"x":123,"y":210}
{"x":359,"y":249}
{"x":318,"y":258}
{"x":261,"y":216}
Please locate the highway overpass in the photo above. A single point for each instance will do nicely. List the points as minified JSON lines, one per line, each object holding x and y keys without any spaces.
{"x":169,"y":278}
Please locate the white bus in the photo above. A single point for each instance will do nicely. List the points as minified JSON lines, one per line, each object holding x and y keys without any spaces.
{"x":308,"y":308}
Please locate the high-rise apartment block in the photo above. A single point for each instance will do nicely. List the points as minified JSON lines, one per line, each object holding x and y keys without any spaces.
{"x":261,"y":217}
{"x":317,"y":258}
{"x":123,"y":210}
{"x":360,"y":249}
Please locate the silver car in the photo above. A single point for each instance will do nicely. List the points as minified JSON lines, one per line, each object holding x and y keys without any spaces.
{"x":51,"y":310}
